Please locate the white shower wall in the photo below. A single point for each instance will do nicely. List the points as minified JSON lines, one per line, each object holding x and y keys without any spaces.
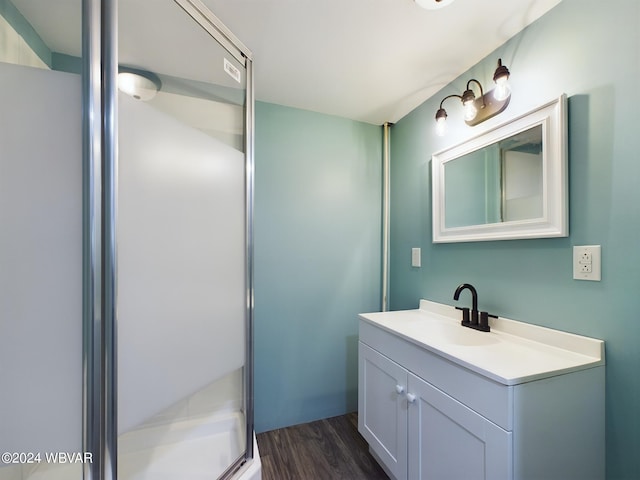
{"x":40,"y":260}
{"x":181,"y":249}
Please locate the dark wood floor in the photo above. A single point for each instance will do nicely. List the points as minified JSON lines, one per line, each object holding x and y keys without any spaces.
{"x":328,"y":449}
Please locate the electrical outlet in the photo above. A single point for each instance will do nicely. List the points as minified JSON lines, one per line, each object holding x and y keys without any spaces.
{"x":586,"y":262}
{"x":585,"y":257}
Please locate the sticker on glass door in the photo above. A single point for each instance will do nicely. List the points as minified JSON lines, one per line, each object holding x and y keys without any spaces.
{"x":232,"y":70}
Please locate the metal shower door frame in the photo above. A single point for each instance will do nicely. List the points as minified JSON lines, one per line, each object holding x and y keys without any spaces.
{"x":99,"y":177}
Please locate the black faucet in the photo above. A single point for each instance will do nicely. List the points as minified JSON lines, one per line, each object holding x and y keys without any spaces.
{"x":483,"y":323}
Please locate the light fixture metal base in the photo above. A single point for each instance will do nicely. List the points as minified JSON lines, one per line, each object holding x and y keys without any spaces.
{"x":487,"y":107}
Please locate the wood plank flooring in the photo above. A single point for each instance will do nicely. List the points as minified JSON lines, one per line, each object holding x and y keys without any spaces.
{"x":329,"y":449}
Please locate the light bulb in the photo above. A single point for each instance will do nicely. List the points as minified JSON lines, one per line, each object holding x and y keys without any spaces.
{"x":502,"y":90}
{"x":501,"y":77}
{"x":441,"y":121}
{"x":441,"y":126}
{"x":470,"y":110}
{"x":468,"y":102}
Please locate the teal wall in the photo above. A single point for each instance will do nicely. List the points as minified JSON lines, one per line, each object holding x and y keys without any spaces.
{"x":471,"y":189}
{"x":589,"y":50}
{"x":317,"y":260}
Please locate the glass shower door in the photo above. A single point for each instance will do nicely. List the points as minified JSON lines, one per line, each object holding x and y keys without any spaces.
{"x":181,"y":247}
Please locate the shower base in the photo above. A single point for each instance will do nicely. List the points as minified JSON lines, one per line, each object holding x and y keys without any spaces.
{"x":194,"y":449}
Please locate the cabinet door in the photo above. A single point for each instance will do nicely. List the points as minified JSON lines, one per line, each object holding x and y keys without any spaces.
{"x":382,"y":409}
{"x":449,"y":441}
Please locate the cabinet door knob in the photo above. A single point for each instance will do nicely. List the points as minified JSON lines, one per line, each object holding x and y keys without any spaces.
{"x":399,"y":389}
{"x":411,"y":398}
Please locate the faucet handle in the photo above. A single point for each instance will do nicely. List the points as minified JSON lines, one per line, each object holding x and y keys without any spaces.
{"x":484,"y":321}
{"x":465,"y":315}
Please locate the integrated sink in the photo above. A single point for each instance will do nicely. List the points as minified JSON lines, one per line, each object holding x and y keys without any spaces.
{"x":510,"y":353}
{"x":448,"y":332}
{"x":468,"y":338}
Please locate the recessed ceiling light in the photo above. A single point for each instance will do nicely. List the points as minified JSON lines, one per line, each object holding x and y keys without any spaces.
{"x":433,"y":4}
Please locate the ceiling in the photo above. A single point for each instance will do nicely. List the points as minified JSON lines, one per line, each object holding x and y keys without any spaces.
{"x":367,"y":60}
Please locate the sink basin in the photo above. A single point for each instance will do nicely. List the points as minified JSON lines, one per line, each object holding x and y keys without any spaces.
{"x":469,"y":338}
{"x":456,"y":334}
{"x":451,"y":333}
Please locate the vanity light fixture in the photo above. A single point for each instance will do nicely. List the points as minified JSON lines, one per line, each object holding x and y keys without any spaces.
{"x":139,"y":84}
{"x":477,"y":110}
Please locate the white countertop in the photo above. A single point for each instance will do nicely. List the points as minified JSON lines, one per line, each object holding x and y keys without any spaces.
{"x":511,"y":353}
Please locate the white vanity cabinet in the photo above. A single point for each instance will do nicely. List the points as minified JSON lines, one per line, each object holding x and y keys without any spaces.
{"x":382,"y":408}
{"x":417,"y":431}
{"x":429,"y":412}
{"x":449,"y":440}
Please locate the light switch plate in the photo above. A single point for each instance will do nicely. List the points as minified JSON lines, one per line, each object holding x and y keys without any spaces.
{"x":587,"y":262}
{"x":416,"y":257}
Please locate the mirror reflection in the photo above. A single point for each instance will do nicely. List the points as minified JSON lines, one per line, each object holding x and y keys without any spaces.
{"x":508,"y":182}
{"x":501,"y":182}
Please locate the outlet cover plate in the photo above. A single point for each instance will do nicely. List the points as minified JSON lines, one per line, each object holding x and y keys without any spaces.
{"x":586,"y":263}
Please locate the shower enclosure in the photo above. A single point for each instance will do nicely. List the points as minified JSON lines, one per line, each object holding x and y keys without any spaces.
{"x":126,"y":266}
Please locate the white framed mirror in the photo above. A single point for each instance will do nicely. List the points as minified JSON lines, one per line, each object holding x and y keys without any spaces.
{"x":507,"y":183}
